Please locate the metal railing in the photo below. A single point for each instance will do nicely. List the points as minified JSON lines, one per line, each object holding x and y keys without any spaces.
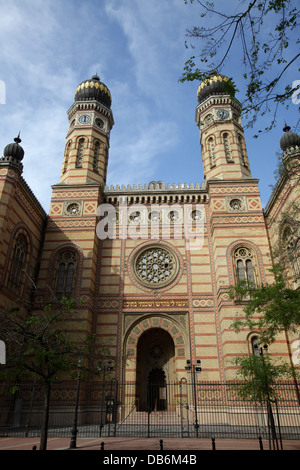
{"x":165,"y":410}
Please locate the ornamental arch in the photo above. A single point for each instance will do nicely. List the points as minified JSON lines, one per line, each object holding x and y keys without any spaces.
{"x":232,"y":248}
{"x":162,"y":330}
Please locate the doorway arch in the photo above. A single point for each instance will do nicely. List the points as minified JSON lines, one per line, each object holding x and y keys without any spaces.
{"x":155,"y":367}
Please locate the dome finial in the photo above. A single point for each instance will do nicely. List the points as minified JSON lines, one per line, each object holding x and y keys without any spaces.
{"x":289,"y":139}
{"x":17,"y":139}
{"x":14,"y":151}
{"x":96,"y":76}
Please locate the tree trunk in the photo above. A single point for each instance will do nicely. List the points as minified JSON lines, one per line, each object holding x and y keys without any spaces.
{"x":44,"y":429}
{"x":292,"y":366}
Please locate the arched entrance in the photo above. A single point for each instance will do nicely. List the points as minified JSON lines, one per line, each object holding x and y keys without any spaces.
{"x":155,"y":368}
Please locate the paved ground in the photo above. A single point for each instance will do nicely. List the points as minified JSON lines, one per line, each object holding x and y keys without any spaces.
{"x":146,"y":444}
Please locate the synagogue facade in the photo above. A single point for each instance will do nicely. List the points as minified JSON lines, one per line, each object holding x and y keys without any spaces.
{"x":150,"y":265}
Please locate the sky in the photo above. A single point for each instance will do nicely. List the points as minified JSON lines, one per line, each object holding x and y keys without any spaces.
{"x":137,"y":47}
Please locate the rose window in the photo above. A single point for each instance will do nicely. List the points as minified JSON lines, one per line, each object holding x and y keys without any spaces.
{"x":156,"y":266}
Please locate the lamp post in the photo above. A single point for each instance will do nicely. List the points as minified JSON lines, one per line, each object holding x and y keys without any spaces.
{"x":74,"y":428}
{"x":194,"y":368}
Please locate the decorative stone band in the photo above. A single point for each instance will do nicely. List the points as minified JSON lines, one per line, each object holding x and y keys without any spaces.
{"x":155,"y":186}
{"x":157,"y":192}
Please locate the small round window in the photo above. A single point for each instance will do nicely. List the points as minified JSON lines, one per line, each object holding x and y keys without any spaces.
{"x":236,"y":204}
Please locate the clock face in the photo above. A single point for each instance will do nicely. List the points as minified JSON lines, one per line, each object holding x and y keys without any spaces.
{"x":222,"y":113}
{"x":84,"y":119}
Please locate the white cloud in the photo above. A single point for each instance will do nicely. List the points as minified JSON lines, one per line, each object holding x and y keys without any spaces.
{"x":137,"y":47}
{"x":137,"y":158}
{"x":155,"y":34}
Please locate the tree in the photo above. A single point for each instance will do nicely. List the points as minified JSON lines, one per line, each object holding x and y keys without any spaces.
{"x":259,"y":377}
{"x":269,"y":309}
{"x":38,"y":347}
{"x":265,"y":50}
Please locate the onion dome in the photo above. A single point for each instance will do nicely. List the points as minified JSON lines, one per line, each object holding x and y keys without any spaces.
{"x":95,"y":90}
{"x":216,"y":84}
{"x":289,"y":139}
{"x":14,"y":150}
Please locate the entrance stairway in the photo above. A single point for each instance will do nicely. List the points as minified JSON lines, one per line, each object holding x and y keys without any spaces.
{"x":157,"y":423}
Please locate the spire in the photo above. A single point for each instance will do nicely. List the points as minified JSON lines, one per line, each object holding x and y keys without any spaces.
{"x":13,"y":154}
{"x":17,"y":139}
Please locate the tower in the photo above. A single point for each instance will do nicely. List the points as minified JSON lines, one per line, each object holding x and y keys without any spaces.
{"x":236,"y":237}
{"x":11,"y":168}
{"x":71,"y":247}
{"x":87,"y":142}
{"x":223,"y":146}
{"x":22,"y":222}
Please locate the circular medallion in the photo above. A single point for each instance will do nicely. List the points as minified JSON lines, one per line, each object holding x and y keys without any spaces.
{"x":236,"y":204}
{"x":73,"y":209}
{"x":196,"y":215}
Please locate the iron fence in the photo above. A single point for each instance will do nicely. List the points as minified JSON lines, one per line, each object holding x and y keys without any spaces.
{"x":164,"y":410}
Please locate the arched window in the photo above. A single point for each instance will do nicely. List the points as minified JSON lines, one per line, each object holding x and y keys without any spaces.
{"x":287,"y":238}
{"x":80,"y":153}
{"x":65,"y":273}
{"x":255,"y":345}
{"x":296,"y":260}
{"x":291,"y":246}
{"x":17,"y":264}
{"x":241,"y":150}
{"x":227,"y":147}
{"x":211,"y":149}
{"x":96,"y":155}
{"x":68,"y":148}
{"x":244,"y":265}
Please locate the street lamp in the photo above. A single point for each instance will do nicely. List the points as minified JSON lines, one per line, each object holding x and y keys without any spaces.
{"x":74,"y":428}
{"x":194,"y":368}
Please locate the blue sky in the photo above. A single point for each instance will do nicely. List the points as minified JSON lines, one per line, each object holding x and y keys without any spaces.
{"x":47,"y":47}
